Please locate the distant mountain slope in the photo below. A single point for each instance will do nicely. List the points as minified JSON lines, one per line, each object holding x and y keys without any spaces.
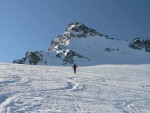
{"x":85,"y":46}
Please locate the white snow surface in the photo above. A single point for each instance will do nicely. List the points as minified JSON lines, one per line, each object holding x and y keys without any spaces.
{"x":56,"y":89}
{"x":93,"y":48}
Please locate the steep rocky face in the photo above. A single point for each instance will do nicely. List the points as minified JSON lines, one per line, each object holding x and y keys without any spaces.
{"x":140,"y":44}
{"x":80,"y":30}
{"x":70,"y":55}
{"x":32,"y":57}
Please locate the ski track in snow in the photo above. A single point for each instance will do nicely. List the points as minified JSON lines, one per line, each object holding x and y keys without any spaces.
{"x":5,"y":103}
{"x":95,"y":89}
{"x":130,"y":108}
{"x":74,"y":86}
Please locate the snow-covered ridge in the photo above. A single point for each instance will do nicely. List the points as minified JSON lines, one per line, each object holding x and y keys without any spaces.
{"x":85,"y":46}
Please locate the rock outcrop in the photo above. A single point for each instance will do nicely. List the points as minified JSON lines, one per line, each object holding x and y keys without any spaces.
{"x":139,"y":43}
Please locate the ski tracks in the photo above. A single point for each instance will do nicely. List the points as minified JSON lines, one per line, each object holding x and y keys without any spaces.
{"x":71,"y":90}
{"x":129,"y":107}
{"x":74,"y":87}
{"x":7,"y":97}
{"x":76,"y":106}
{"x":4,"y":106}
{"x":10,"y":80}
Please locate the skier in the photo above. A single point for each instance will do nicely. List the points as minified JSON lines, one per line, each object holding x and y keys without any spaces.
{"x":74,"y":67}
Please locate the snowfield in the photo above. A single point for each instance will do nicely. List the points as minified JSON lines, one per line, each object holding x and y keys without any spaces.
{"x":55,"y":89}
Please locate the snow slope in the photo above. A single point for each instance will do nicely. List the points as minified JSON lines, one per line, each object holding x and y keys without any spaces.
{"x":94,"y":52}
{"x":55,"y":89}
{"x":94,"y":48}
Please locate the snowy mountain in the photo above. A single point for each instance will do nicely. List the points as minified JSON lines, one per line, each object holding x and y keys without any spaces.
{"x":56,"y":89}
{"x":85,"y":46}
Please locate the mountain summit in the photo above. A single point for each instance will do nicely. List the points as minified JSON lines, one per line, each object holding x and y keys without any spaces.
{"x":80,"y":30}
{"x":73,"y":30}
{"x":85,"y":46}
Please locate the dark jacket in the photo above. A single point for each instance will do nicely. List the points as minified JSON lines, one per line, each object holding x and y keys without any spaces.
{"x":74,"y":66}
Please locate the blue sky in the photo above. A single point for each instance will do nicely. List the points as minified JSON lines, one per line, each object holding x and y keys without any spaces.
{"x":30,"y":25}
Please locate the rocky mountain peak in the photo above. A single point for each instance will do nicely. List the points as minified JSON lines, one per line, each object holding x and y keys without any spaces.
{"x":73,"y":30}
{"x":78,"y":30}
{"x":85,"y":46}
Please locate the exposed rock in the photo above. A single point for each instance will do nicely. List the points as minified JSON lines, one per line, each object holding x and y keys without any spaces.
{"x":61,"y":51}
{"x":20,"y":61}
{"x":73,"y":30}
{"x":140,"y":44}
{"x":80,"y":30}
{"x":33,"y":58}
{"x":69,"y":57}
{"x":110,"y":49}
